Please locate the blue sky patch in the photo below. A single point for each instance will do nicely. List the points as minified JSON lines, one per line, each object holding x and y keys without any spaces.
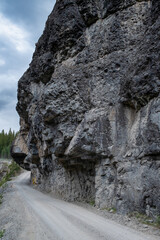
{"x":21,"y":24}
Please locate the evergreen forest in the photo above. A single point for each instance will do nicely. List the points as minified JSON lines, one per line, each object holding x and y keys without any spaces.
{"x":6,"y":140}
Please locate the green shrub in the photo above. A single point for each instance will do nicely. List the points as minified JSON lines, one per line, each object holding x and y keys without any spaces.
{"x":92,"y":203}
{"x":13,"y":170}
{"x":2,"y":233}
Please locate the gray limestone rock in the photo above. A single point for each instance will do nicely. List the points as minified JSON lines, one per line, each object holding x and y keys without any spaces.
{"x":89,"y":105}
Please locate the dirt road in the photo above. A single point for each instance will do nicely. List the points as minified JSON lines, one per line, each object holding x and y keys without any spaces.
{"x":43,"y":217}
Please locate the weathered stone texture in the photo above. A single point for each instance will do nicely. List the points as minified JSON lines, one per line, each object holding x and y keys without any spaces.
{"x":90,"y":106}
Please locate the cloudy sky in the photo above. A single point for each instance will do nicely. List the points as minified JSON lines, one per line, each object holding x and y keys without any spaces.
{"x":21,"y":24}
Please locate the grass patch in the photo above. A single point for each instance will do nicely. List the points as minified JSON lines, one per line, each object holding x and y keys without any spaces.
{"x":13,"y":169}
{"x":157,"y":222}
{"x":1,"y":197}
{"x":92,"y":203}
{"x":143,"y":218}
{"x":2,"y":233}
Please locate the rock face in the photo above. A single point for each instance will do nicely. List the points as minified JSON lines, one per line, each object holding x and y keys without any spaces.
{"x":4,"y":168}
{"x":89,"y":104}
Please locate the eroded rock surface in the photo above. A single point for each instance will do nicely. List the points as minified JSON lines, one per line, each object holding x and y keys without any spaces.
{"x":90,"y":105}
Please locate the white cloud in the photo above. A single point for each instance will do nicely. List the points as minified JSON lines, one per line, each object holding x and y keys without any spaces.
{"x":9,"y":80}
{"x":15,"y":35}
{"x":8,"y":88}
{"x":2,"y":62}
{"x":9,"y":118}
{"x":17,"y":45}
{"x":48,"y":6}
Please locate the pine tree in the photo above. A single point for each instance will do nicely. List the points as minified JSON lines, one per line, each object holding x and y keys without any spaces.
{"x":6,"y":140}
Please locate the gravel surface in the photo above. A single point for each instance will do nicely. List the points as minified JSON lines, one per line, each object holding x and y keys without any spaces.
{"x":27,"y":214}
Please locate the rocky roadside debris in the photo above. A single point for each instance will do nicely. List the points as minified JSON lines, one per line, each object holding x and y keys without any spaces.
{"x":133,"y":220}
{"x":18,"y":222}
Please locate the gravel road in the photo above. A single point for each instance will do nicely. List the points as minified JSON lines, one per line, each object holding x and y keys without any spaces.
{"x":32,"y":215}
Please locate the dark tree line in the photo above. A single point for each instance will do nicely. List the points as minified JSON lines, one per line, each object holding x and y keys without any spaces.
{"x":6,"y":140}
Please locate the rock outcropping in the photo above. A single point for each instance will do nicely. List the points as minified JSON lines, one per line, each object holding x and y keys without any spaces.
{"x":89,"y":104}
{"x":4,"y":168}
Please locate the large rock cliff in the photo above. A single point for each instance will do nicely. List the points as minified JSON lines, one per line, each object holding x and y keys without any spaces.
{"x":89,"y":104}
